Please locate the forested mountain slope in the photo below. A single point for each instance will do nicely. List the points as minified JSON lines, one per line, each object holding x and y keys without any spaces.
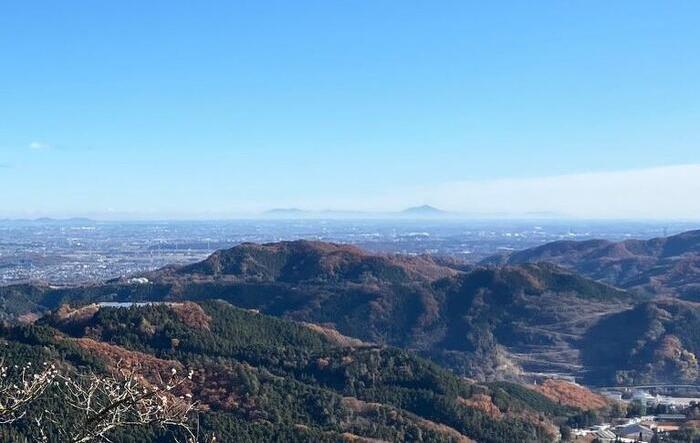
{"x":490,"y":322}
{"x":264,"y":379}
{"x":665,"y":266}
{"x":657,"y":340}
{"x":486,"y":323}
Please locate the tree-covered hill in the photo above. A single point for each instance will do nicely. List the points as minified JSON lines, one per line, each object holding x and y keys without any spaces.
{"x":657,"y":340}
{"x":664,"y":266}
{"x":310,"y":261}
{"x":487,"y":323}
{"x":260,"y":378}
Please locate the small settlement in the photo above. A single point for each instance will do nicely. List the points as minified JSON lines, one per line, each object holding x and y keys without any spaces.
{"x":652,"y":417}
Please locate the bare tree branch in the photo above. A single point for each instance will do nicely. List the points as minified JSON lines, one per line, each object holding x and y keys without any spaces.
{"x":96,"y":404}
{"x":20,"y":387}
{"x":107,"y":403}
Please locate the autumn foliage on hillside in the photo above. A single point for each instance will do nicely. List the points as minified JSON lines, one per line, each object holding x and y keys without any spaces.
{"x":255,"y":377}
{"x":571,"y":394}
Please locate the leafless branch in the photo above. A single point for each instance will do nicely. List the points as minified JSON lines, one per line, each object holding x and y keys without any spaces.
{"x":97,"y":404}
{"x":20,"y":387}
{"x":106,"y":403}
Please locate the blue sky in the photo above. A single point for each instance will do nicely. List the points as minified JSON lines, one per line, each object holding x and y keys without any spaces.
{"x":176,"y":109}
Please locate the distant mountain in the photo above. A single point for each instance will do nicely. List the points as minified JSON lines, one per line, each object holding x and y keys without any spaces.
{"x":423,"y":211}
{"x":49,"y":220}
{"x":660,"y":266}
{"x":285,"y":212}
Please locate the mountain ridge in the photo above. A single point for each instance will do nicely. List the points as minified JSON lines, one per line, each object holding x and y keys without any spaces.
{"x":488,"y":322}
{"x":662,"y":266}
{"x":482,"y":322}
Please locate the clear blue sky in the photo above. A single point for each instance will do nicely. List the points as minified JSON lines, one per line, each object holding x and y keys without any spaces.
{"x":168,"y":108}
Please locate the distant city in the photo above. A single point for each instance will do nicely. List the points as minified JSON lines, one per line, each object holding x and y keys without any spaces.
{"x":74,"y":251}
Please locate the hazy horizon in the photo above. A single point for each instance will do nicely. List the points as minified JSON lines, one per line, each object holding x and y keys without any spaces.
{"x":582,"y":110}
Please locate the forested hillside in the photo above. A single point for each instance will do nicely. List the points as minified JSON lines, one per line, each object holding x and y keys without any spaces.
{"x":664,"y":266}
{"x":490,"y":322}
{"x":654,"y":341}
{"x":259,"y":378}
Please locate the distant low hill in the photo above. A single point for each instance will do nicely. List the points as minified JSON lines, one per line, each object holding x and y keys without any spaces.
{"x":417,"y":212}
{"x":668,"y":266}
{"x":423,"y":211}
{"x":49,"y":220}
{"x":285,"y":212}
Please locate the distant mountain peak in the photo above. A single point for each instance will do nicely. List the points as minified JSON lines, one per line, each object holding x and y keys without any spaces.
{"x":285,"y":211}
{"x":423,"y":210}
